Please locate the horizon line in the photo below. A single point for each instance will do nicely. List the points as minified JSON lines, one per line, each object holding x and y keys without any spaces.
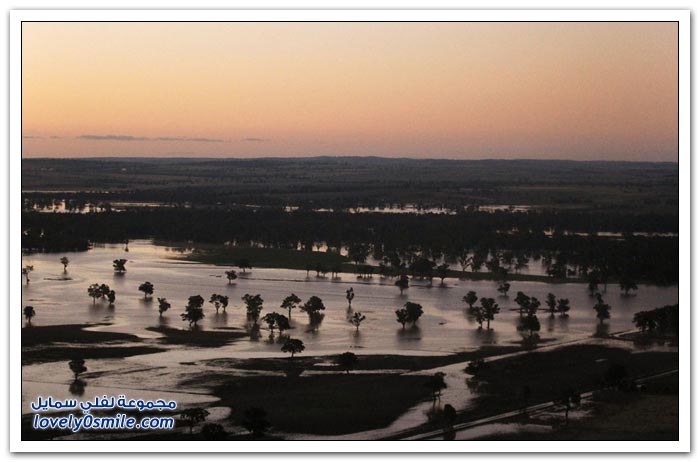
{"x":232,"y":158}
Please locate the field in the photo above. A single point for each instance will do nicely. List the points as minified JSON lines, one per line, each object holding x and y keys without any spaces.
{"x":601,"y":236}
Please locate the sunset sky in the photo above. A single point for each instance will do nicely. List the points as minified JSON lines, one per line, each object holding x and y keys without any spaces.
{"x":598,"y":91}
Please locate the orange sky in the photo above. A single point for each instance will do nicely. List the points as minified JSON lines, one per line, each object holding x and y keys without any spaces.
{"x":449,"y":90}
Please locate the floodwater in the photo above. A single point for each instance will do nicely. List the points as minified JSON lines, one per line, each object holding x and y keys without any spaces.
{"x":445,"y":328}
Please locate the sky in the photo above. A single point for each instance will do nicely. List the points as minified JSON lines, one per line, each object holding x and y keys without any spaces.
{"x":581,"y":91}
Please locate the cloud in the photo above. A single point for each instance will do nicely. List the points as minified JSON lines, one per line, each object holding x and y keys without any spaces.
{"x":113,"y":138}
{"x":253,"y":140}
{"x":144,"y":138}
{"x":31,"y":137}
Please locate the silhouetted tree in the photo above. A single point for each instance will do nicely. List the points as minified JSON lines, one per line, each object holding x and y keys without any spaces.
{"x":551,"y":303}
{"x":77,"y":366}
{"x":289,"y":303}
{"x":436,"y":383}
{"x":470,"y":299}
{"x":402,"y":283}
{"x":147,"y":289}
{"x":253,"y":305}
{"x":313,"y":307}
{"x":563,"y":307}
{"x":504,"y":287}
{"x":231,"y":275}
{"x":119,"y":265}
{"x":194,"y":415}
{"x":193,"y":311}
{"x":523,"y":302}
{"x":29,"y":313}
{"x":219,"y":301}
{"x":163,"y":306}
{"x":349,"y":295}
{"x":97,"y":291}
{"x":357,"y":319}
{"x":627,"y":284}
{"x":489,"y":309}
{"x":414,"y":310}
{"x":111,"y":297}
{"x":244,"y":263}
{"x":346,"y":361}
{"x":64,"y":261}
{"x":26,"y":270}
{"x":293,"y":346}
{"x":442,"y":271}
{"x":402,"y":317}
{"x":601,"y":308}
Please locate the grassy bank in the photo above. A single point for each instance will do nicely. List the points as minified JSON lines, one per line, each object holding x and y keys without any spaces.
{"x":330,"y":404}
{"x":43,"y":355}
{"x":304,"y":259}
{"x":364,"y":362}
{"x":70,"y":333}
{"x":197,"y":338}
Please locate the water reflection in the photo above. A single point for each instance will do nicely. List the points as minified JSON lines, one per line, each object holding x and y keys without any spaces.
{"x":77,"y":387}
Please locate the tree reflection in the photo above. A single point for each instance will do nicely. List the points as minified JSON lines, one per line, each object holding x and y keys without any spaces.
{"x":77,"y":387}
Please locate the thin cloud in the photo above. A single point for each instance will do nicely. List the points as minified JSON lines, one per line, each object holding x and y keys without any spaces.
{"x":112,"y":138}
{"x":144,"y":138}
{"x":31,"y":137}
{"x":253,"y":140}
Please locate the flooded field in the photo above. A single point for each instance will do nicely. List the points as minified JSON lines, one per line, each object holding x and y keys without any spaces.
{"x":61,"y":298}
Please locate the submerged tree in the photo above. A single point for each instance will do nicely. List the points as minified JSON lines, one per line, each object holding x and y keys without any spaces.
{"x":119,"y":265}
{"x":289,"y":303}
{"x":193,"y":311}
{"x":94,"y":292}
{"x":601,"y":308}
{"x":271,"y":320}
{"x":29,"y":313}
{"x":551,"y":304}
{"x":64,"y":261}
{"x":26,"y":270}
{"x":313,"y":307}
{"x":231,"y":276}
{"x":77,"y":366}
{"x":410,"y":313}
{"x":402,"y":317}
{"x":470,"y":299}
{"x":563,"y":307}
{"x":488,"y":310}
{"x":349,"y":295}
{"x":163,"y":306}
{"x":111,"y":297}
{"x":504,"y":287}
{"x":219,"y":301}
{"x":147,"y":289}
{"x":402,"y":283}
{"x":627,"y":284}
{"x":357,"y":319}
{"x":254,"y":305}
